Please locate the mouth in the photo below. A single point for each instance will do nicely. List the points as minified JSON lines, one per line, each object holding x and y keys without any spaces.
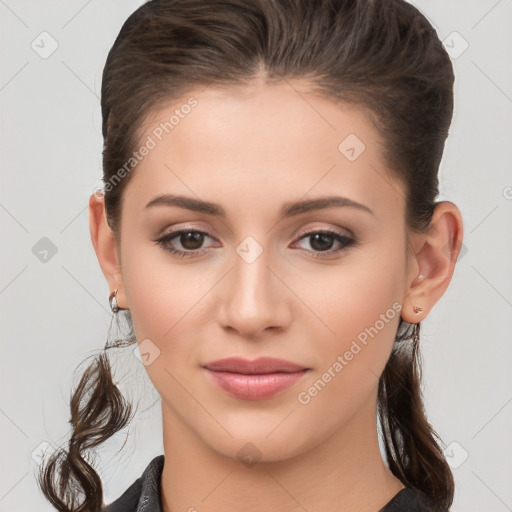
{"x":260,"y":379}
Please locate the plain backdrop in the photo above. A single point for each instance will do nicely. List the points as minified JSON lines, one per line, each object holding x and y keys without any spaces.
{"x":54,"y":299}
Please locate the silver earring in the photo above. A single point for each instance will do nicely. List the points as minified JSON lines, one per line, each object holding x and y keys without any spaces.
{"x":113,"y":301}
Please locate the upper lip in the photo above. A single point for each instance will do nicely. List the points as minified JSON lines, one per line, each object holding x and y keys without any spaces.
{"x":261,"y":365}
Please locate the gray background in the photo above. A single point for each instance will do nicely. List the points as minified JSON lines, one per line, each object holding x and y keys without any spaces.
{"x":54,"y":307}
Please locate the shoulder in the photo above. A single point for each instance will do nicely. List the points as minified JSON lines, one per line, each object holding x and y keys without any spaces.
{"x":411,"y":500}
{"x":143,"y":493}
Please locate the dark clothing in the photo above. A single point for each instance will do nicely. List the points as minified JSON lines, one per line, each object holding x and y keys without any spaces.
{"x":411,"y":500}
{"x":144,"y":495}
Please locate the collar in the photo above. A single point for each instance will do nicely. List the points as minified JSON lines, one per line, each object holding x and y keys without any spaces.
{"x":144,"y":494}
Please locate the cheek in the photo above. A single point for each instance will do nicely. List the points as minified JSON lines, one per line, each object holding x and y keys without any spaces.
{"x":167,"y":302}
{"x":363,"y":320}
{"x":359,"y":306}
{"x":154,"y":292}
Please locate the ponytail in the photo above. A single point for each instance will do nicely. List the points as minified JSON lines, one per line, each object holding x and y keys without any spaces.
{"x":98,"y":411}
{"x":413,"y":453}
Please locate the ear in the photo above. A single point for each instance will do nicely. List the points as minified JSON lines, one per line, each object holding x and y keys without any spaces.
{"x":106,"y":247}
{"x":432,"y":259}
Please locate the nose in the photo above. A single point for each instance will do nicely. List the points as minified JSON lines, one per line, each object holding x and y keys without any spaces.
{"x":254,"y":299}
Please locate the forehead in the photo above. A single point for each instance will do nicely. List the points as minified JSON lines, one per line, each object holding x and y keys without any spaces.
{"x":279,"y":140}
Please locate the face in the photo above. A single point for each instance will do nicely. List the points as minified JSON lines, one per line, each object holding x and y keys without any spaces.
{"x":253,"y":276}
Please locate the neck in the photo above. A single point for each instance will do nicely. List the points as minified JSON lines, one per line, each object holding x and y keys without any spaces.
{"x":344,"y":473}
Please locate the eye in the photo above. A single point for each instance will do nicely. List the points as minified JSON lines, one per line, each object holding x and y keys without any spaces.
{"x":323,"y":240}
{"x":191,"y":240}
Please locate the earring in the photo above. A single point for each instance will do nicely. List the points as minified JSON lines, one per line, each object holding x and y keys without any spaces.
{"x":113,"y":302}
{"x":417,"y":309}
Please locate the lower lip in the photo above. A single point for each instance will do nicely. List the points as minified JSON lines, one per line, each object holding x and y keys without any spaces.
{"x":255,"y":387}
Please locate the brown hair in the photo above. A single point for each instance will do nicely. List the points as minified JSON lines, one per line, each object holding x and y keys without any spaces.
{"x":380,"y":56}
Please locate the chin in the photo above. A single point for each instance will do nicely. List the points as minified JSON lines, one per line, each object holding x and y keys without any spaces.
{"x":256,"y":449}
{"x":261,"y":441}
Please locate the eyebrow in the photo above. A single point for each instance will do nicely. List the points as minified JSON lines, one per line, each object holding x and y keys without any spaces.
{"x":289,"y":209}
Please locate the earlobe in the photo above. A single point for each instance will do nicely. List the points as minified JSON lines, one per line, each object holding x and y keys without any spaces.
{"x":105,"y":246}
{"x":435,"y":258}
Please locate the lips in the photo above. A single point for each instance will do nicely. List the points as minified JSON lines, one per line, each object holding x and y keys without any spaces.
{"x":262,"y":378}
{"x":259,"y":366}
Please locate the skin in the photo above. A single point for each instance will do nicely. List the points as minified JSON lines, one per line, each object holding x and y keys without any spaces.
{"x":251,"y":150}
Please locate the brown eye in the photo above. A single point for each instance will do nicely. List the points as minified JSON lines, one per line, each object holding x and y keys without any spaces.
{"x":191,"y":242}
{"x":323,"y":241}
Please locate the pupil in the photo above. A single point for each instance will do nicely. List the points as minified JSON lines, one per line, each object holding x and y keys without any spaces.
{"x":192,"y":236}
{"x":321,"y":237}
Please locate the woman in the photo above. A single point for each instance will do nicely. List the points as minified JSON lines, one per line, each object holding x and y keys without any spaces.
{"x":269,"y":228}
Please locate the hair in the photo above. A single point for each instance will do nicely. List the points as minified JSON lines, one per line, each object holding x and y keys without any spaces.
{"x":383,"y":57}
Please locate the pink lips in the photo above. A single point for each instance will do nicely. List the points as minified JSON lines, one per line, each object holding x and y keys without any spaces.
{"x":262,"y":378}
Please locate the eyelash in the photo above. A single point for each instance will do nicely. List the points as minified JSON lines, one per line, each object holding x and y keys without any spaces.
{"x":345,"y":240}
